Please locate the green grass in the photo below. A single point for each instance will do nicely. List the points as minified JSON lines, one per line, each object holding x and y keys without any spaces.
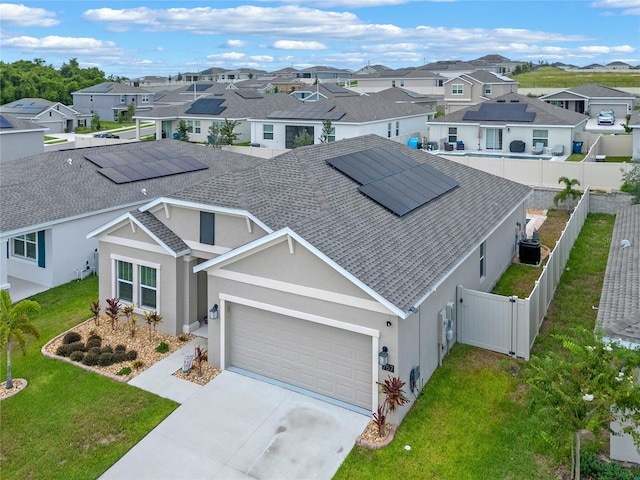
{"x":551,"y":77}
{"x":69,"y":423}
{"x":471,"y":420}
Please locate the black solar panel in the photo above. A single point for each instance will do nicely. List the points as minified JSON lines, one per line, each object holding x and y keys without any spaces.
{"x":310,"y":111}
{"x":392,"y":179}
{"x":101,"y":88}
{"x":248,"y":94}
{"x":207,"y":106}
{"x":335,"y":88}
{"x":4,"y":123}
{"x":501,"y":112}
{"x":199,"y":87}
{"x":143,"y":164}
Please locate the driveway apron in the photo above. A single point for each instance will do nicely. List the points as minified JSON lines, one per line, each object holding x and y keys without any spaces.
{"x":238,"y":427}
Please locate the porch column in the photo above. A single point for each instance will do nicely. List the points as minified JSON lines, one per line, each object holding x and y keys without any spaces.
{"x":189,"y":294}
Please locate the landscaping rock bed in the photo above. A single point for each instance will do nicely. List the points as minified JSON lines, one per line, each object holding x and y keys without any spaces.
{"x":146,"y":349}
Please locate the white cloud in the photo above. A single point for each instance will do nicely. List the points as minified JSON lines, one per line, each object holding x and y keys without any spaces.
{"x":297,"y":45}
{"x":226,"y":56}
{"x":61,"y":45}
{"x":261,"y":58}
{"x":233,"y":43}
{"x":23,"y":16}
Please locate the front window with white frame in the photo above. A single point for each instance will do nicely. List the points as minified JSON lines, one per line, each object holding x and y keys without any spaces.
{"x":25,"y":246}
{"x":540,"y":136}
{"x":193,"y":126}
{"x":457,"y":89}
{"x":137,"y":284}
{"x":267,"y":132}
{"x":487,"y":89}
{"x":145,"y":98}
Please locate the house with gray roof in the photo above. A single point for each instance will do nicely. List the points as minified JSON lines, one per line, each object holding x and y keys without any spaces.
{"x":55,"y":116}
{"x":350,"y":115}
{"x":314,"y":268}
{"x":619,"y":311}
{"x":19,"y":138}
{"x":111,"y":100}
{"x":50,"y":201}
{"x":203,"y":104}
{"x":474,"y":88}
{"x":419,"y":80}
{"x":591,"y":98}
{"x":494,"y":125}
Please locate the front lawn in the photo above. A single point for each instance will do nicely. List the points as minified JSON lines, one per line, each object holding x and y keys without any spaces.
{"x":69,"y":423}
{"x":471,"y":420}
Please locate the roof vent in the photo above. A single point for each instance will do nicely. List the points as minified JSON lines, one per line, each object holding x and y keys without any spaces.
{"x":514,"y":100}
{"x":501,"y":101}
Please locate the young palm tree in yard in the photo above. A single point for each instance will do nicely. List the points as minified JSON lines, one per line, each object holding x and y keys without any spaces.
{"x":15,"y":325}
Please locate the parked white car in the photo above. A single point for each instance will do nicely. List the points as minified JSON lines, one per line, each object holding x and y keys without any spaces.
{"x":606,"y":117}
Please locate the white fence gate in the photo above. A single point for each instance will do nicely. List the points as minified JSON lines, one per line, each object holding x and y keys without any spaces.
{"x":510,"y":325}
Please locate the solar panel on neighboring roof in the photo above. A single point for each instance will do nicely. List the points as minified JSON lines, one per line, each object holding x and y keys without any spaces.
{"x":4,"y":123}
{"x":101,"y":88}
{"x":207,"y":106}
{"x":392,"y":179}
{"x":334,"y":88}
{"x":501,"y":112}
{"x":143,"y":164}
{"x":200,"y":87}
{"x":248,"y":94}
{"x":310,"y":111}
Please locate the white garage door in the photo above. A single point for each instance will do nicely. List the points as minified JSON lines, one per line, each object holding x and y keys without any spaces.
{"x":323,"y":359}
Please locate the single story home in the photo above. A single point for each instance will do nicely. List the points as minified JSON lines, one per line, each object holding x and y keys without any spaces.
{"x":327,"y":268}
{"x":350,"y":116}
{"x":591,"y":98}
{"x":619,"y":311}
{"x":496,"y":124}
{"x":50,"y":201}
{"x":19,"y":138}
{"x":55,"y":116}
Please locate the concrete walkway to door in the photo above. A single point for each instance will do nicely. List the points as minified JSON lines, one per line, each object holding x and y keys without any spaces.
{"x":238,"y":427}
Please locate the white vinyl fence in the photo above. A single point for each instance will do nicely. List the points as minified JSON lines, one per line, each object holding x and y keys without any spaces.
{"x":510,"y":325}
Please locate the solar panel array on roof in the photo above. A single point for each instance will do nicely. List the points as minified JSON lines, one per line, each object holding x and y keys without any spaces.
{"x":310,"y":111}
{"x":501,"y":112}
{"x":101,"y":88}
{"x":248,"y":94}
{"x":199,"y":87}
{"x":392,"y":179}
{"x":30,"y":108}
{"x":335,"y":88}
{"x":4,"y":123}
{"x":143,"y":164}
{"x":207,"y":106}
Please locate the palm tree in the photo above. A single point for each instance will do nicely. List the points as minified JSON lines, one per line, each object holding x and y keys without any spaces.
{"x":568,"y":191}
{"x":15,"y":325}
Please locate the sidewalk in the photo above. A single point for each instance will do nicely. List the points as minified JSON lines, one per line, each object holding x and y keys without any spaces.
{"x":159,"y":378}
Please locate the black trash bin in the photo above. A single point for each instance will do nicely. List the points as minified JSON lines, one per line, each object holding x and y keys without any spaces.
{"x":577,"y":147}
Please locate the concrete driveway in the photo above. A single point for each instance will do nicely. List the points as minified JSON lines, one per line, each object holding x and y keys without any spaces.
{"x":239,"y":427}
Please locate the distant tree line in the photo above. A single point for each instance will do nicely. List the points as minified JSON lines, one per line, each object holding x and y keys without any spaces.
{"x":35,"y":79}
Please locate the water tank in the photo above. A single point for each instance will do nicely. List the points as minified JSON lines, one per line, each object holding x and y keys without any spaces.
{"x":529,"y":251}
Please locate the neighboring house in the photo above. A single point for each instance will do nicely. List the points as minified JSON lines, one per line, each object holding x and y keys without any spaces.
{"x":55,"y":116}
{"x":450,"y":68}
{"x":321,"y":91}
{"x":591,"y":98}
{"x":496,"y":63}
{"x":351,"y":116}
{"x":494,"y":124}
{"x":230,"y":76}
{"x":419,"y":80}
{"x":19,"y":138}
{"x":50,"y":201}
{"x":401,"y":95}
{"x":313,"y":277}
{"x":213,"y":103}
{"x":634,"y":123}
{"x":323,"y":74}
{"x":368,"y":69}
{"x":474,"y":88}
{"x":619,"y":310}
{"x":110,"y":100}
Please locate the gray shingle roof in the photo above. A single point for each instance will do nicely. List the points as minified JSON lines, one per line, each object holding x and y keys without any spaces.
{"x":401,"y":258}
{"x":111,"y":88}
{"x":20,"y":124}
{"x":594,"y":90}
{"x":45,"y":188}
{"x":26,"y":106}
{"x":546,"y":114}
{"x":619,"y":310}
{"x":161,"y":231}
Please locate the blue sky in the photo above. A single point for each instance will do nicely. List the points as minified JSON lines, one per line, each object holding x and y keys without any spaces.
{"x":135,"y":38}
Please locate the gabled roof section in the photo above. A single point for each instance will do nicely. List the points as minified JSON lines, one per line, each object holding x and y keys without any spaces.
{"x":152,"y":226}
{"x":311,"y":111}
{"x":401,"y":259}
{"x":589,"y":90}
{"x":502,"y":109}
{"x":13,"y":124}
{"x":111,"y":88}
{"x":27,"y":106}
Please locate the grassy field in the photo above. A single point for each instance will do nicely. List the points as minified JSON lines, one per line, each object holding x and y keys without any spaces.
{"x":471,"y":420}
{"x":551,"y":77}
{"x":69,"y":423}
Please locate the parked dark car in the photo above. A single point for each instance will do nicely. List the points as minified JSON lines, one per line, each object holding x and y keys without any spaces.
{"x":106,"y":135}
{"x":606,"y":117}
